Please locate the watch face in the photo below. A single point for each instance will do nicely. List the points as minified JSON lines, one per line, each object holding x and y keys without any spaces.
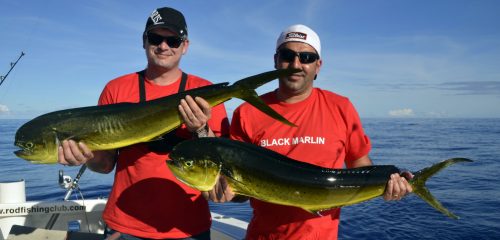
{"x":203,"y":132}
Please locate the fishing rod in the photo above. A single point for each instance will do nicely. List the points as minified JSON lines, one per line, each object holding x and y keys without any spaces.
{"x":74,"y":184}
{"x":12,"y":65}
{"x":69,"y":184}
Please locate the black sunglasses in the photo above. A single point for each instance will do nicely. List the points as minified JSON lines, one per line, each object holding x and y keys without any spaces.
{"x":288,"y":55}
{"x":172,"y":41}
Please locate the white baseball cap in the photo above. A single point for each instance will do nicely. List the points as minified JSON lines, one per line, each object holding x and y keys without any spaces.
{"x":300,"y":33}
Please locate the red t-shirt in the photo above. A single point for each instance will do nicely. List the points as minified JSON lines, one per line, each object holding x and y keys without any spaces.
{"x":146,"y":199}
{"x":329,"y":133}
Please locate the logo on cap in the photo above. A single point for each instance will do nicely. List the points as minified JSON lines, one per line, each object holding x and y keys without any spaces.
{"x":297,"y":35}
{"x":156,"y":17}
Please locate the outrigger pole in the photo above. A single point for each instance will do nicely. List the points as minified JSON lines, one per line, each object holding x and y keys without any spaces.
{"x":12,"y":65}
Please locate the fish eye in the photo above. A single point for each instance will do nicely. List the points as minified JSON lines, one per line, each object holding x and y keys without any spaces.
{"x":188,"y":163}
{"x":29,"y":145}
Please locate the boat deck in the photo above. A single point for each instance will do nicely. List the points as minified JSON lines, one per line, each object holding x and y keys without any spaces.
{"x":78,"y":219}
{"x":29,"y":233}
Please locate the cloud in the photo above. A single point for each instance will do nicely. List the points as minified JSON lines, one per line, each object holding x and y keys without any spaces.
{"x":472,"y":87}
{"x":451,"y":65}
{"x":441,"y":114}
{"x":405,"y":112}
{"x":3,"y":109}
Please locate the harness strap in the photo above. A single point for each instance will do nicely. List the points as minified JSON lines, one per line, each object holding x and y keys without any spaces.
{"x":142,"y":85}
{"x":170,"y":139}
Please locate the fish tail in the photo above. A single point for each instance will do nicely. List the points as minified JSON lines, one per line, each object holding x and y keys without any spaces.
{"x":245,"y":89}
{"x":419,"y":188}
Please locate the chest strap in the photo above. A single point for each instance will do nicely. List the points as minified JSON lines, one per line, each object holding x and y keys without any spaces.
{"x":142,"y":85}
{"x":170,"y":139}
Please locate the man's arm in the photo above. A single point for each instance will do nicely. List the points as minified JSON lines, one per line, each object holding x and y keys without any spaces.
{"x":360,"y":162}
{"x":196,"y":112}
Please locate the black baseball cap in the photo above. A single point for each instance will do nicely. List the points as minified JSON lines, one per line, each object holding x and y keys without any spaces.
{"x":167,"y":18}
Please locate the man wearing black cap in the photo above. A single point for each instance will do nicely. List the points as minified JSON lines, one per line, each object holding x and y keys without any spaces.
{"x":147,"y":201}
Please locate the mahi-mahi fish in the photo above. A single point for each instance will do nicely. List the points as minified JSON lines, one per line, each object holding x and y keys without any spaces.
{"x":118,"y":125}
{"x":263,"y":174}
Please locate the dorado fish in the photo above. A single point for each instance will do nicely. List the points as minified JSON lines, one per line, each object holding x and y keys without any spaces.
{"x":263,"y":174}
{"x":118,"y":125}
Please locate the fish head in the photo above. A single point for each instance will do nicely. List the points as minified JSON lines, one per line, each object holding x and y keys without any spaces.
{"x":36,"y":145}
{"x":194,"y":166}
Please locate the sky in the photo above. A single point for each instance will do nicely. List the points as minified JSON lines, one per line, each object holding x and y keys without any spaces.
{"x":391,"y":58}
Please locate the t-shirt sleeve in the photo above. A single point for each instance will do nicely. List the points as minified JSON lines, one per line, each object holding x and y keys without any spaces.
{"x":237,"y":131}
{"x":358,"y":144}
{"x":106,"y":97}
{"x":219,"y":124}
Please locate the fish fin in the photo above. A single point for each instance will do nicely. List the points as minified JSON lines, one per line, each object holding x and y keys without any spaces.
{"x":61,"y":136}
{"x":246,"y":88}
{"x":314,"y":212}
{"x":419,"y":188}
{"x":166,"y":135}
{"x":229,"y":174}
{"x":156,"y":138}
{"x":236,"y":180}
{"x":319,"y":212}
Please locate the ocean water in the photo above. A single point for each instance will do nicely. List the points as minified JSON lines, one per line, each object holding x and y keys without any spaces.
{"x":470,"y":190}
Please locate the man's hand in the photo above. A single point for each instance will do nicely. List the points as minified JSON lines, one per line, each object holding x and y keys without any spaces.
{"x":398,"y":187}
{"x":220,"y":193}
{"x":195,"y":112}
{"x":73,"y":154}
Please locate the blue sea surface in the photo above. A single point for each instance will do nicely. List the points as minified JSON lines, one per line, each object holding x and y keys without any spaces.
{"x":470,"y":190}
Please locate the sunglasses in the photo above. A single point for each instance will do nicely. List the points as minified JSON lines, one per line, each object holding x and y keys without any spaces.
{"x":288,"y":55}
{"x":172,"y":41}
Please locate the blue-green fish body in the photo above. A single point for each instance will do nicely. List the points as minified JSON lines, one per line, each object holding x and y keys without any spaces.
{"x":266,"y":175}
{"x":118,"y":125}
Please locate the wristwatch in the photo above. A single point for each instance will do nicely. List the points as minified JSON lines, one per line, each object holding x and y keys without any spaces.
{"x":202,"y":132}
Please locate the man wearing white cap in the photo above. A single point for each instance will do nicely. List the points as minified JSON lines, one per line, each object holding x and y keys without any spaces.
{"x":328,"y":134}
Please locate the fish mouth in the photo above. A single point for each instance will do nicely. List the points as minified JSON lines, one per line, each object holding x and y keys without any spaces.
{"x":22,"y":152}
